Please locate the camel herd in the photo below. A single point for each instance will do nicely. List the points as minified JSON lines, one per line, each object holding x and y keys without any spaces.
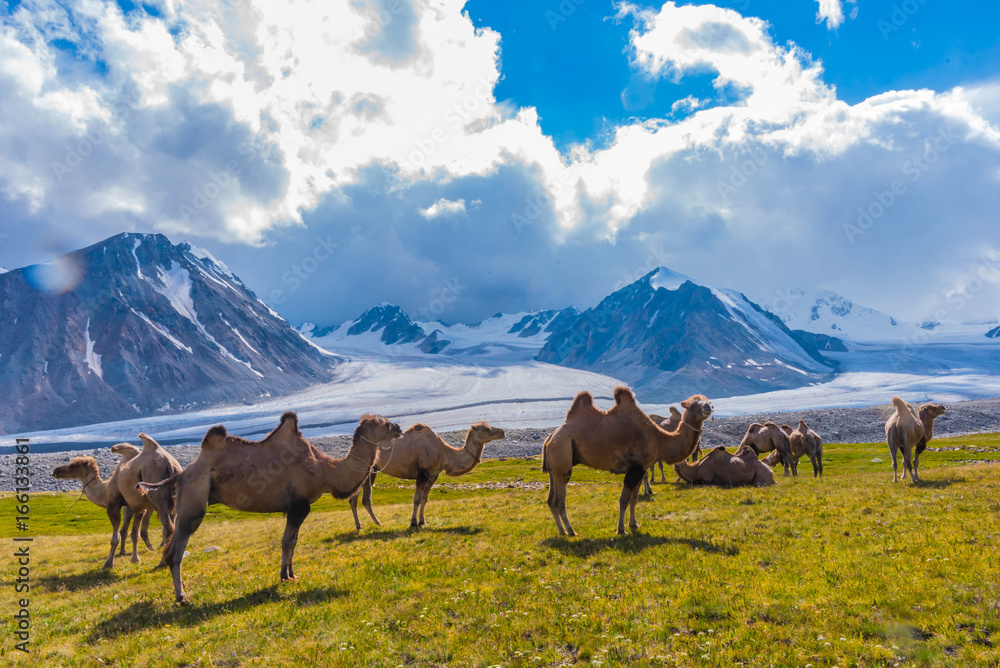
{"x":284,"y":473}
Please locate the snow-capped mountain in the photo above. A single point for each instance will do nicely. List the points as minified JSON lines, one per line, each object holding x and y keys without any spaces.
{"x":826,"y":312}
{"x":135,"y":326}
{"x":668,"y":337}
{"x":387,"y":328}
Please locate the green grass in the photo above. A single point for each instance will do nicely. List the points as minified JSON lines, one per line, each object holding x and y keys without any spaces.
{"x":849,"y":570}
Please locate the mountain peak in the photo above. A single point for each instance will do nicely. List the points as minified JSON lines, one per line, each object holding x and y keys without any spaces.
{"x":394,"y":323}
{"x":663,"y":277}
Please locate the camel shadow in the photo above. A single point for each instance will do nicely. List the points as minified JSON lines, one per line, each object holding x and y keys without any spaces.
{"x":144,"y":615}
{"x":79,"y":581}
{"x":938,"y":484}
{"x":631,"y":544}
{"x":392,"y":534}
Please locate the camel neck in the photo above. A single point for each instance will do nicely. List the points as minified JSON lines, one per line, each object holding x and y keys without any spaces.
{"x":676,"y":447}
{"x":343,"y":476}
{"x":459,"y":461}
{"x":96,"y":490}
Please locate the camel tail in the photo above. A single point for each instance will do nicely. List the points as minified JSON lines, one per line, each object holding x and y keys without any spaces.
{"x":147,"y":487}
{"x":545,"y":452}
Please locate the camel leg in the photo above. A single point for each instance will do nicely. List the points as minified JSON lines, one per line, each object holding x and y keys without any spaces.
{"x":161,"y":502}
{"x":893,"y":447}
{"x":354,"y":510}
{"x":663,"y":477}
{"x":115,"y":515}
{"x":427,"y":495}
{"x":135,"y":537}
{"x":630,"y":489}
{"x":366,"y":497}
{"x":817,"y":467}
{"x":147,"y":516}
{"x":648,"y":491}
{"x":908,"y":464}
{"x":296,"y":515}
{"x":124,"y":530}
{"x":553,"y":500}
{"x":916,"y":463}
{"x":423,"y":476}
{"x":191,"y":505}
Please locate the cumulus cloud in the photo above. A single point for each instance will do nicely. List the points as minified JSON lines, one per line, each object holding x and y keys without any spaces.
{"x":243,"y":121}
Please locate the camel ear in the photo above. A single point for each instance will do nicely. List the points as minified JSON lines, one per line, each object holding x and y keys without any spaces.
{"x":686,"y":403}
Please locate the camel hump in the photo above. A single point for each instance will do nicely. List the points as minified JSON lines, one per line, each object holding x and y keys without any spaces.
{"x":900,"y":404}
{"x":420,"y":426}
{"x":584,"y":401}
{"x":290,"y":415}
{"x":770,"y":424}
{"x":803,"y":425}
{"x":215,"y":437}
{"x":624,"y":396}
{"x":785,"y":426}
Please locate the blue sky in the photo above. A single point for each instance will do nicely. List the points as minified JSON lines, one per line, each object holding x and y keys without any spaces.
{"x":535,"y":154}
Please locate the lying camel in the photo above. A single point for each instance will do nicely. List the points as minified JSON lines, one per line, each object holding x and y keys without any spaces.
{"x":283,"y":473}
{"x":151,"y":465}
{"x":421,"y":455}
{"x":669,"y":424}
{"x":96,"y":490}
{"x":802,"y":441}
{"x":620,"y":440}
{"x":909,"y":431}
{"x":767,"y":437}
{"x":719,"y":467}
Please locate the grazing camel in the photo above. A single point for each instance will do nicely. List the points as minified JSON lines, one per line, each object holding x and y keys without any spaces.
{"x":668,"y":424}
{"x":802,"y":441}
{"x":421,"y":455}
{"x":283,"y":473}
{"x":96,"y":490}
{"x":620,"y":440}
{"x":719,"y":467}
{"x":151,"y":465}
{"x":769,"y":436}
{"x":909,"y":430}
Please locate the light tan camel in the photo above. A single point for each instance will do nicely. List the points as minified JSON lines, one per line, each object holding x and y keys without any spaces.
{"x":802,"y":441}
{"x":151,"y":465}
{"x":719,"y":467}
{"x":767,"y":437}
{"x":621,"y":440}
{"x":421,"y":455}
{"x":668,"y":424}
{"x":909,"y":430}
{"x":697,"y":409}
{"x":127,"y":451}
{"x":283,"y":473}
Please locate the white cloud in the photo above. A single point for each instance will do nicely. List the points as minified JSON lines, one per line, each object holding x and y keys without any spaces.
{"x":831,"y":11}
{"x":443,"y":207}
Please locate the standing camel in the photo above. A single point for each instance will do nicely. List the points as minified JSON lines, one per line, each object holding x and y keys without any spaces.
{"x":769,"y":436}
{"x":283,"y":473}
{"x":801,"y":441}
{"x":97,"y":491}
{"x":620,"y":440}
{"x":151,"y":465}
{"x":421,"y":455}
{"x":128,"y":451}
{"x":686,"y":431}
{"x":909,"y":431}
{"x":668,"y":424}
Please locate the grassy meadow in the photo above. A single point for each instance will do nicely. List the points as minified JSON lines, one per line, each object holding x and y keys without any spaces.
{"x":850,"y":570}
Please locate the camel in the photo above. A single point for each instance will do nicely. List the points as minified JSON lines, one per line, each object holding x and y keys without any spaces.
{"x":151,"y":465}
{"x":283,"y":473}
{"x":421,"y":455}
{"x":96,"y":490}
{"x":909,"y":430}
{"x":767,"y":437}
{"x":802,"y":441}
{"x":620,"y":440}
{"x":669,"y":424}
{"x":719,"y":467}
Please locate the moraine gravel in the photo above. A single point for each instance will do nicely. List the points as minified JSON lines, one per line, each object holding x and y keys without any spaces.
{"x":835,"y":425}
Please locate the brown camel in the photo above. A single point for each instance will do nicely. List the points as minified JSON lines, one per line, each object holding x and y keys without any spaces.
{"x":802,"y":441}
{"x":668,"y":424}
{"x":621,"y":440}
{"x":421,"y":455}
{"x":127,"y":451}
{"x":719,"y":467}
{"x":767,"y":437}
{"x":151,"y":465}
{"x":96,"y":490}
{"x":283,"y":473}
{"x":909,"y":430}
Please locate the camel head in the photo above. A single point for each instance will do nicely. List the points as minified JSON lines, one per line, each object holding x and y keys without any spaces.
{"x":126,"y":450}
{"x":483,"y":433}
{"x":79,"y":468}
{"x":698,"y":407}
{"x":685,"y":471}
{"x":377,"y":429}
{"x":931,"y":411}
